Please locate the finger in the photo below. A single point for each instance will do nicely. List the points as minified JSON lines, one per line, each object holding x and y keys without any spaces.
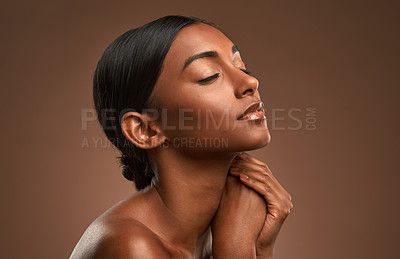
{"x":265,"y":190}
{"x":248,"y":157}
{"x":257,"y":175}
{"x":263,"y":179}
{"x":263,"y":168}
{"x":280,"y":208}
{"x":245,"y":161}
{"x":277,"y":205}
{"x":268,"y":185}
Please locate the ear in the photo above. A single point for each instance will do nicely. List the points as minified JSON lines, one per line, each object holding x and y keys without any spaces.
{"x":141,"y":130}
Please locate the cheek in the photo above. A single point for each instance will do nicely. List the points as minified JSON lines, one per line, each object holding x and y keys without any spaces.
{"x":197,"y":112}
{"x":197,"y":119}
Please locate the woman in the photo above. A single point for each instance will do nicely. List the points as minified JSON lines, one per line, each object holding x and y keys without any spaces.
{"x":175,"y":98}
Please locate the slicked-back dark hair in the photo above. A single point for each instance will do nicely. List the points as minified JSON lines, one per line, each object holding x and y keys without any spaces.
{"x":125,"y":78}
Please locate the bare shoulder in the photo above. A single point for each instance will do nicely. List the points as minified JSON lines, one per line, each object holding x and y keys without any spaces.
{"x":123,"y":238}
{"x":130,"y":240}
{"x":119,"y":233}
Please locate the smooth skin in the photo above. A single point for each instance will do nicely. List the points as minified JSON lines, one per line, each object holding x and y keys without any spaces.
{"x":208,"y":201}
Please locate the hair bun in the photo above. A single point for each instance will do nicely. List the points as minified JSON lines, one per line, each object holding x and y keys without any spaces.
{"x":127,"y":167}
{"x":137,"y":169}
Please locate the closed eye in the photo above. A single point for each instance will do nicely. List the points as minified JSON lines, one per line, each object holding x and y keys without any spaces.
{"x":205,"y":80}
{"x":247,"y":72}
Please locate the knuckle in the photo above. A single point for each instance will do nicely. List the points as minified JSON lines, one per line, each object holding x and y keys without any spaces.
{"x":267,"y":188}
{"x":253,"y":181}
{"x":284,"y":211}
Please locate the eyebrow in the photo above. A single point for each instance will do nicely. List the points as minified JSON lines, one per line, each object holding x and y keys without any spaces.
{"x":207,"y":54}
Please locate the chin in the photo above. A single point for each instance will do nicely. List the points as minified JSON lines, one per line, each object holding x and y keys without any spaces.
{"x":251,"y":140}
{"x":253,"y":135}
{"x":258,"y":140}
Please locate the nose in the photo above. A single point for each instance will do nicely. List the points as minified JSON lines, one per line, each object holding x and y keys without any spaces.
{"x":245,"y":85}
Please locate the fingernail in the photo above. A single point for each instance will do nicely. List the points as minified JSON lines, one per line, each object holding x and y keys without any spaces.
{"x":244,"y":177}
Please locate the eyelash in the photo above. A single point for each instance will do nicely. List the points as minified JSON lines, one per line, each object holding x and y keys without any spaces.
{"x":247,"y":72}
{"x":217,"y":75}
{"x":209,"y":78}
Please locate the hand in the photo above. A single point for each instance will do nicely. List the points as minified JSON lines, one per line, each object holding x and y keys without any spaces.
{"x":256,"y":175}
{"x":238,"y":221}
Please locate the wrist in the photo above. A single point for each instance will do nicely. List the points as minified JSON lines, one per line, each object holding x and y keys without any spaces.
{"x":265,"y":253}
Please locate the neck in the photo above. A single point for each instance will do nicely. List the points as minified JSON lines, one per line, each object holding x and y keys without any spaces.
{"x":189,"y":190}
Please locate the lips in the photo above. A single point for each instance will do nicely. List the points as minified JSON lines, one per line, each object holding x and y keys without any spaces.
{"x":253,"y":112}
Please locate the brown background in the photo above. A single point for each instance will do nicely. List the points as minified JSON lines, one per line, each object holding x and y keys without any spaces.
{"x":340,"y":57}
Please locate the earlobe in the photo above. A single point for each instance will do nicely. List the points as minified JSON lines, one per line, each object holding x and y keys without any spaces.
{"x":141,"y":130}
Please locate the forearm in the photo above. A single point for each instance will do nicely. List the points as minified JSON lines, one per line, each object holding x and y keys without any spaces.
{"x":235,"y":249}
{"x":234,"y":253}
{"x":239,"y":249}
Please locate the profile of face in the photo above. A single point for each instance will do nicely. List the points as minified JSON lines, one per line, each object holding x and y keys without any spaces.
{"x":204,"y":89}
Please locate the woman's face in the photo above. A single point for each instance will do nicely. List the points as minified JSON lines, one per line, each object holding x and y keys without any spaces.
{"x":202,"y":90}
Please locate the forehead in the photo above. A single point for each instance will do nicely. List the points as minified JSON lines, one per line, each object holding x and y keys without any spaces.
{"x":194,"y":39}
